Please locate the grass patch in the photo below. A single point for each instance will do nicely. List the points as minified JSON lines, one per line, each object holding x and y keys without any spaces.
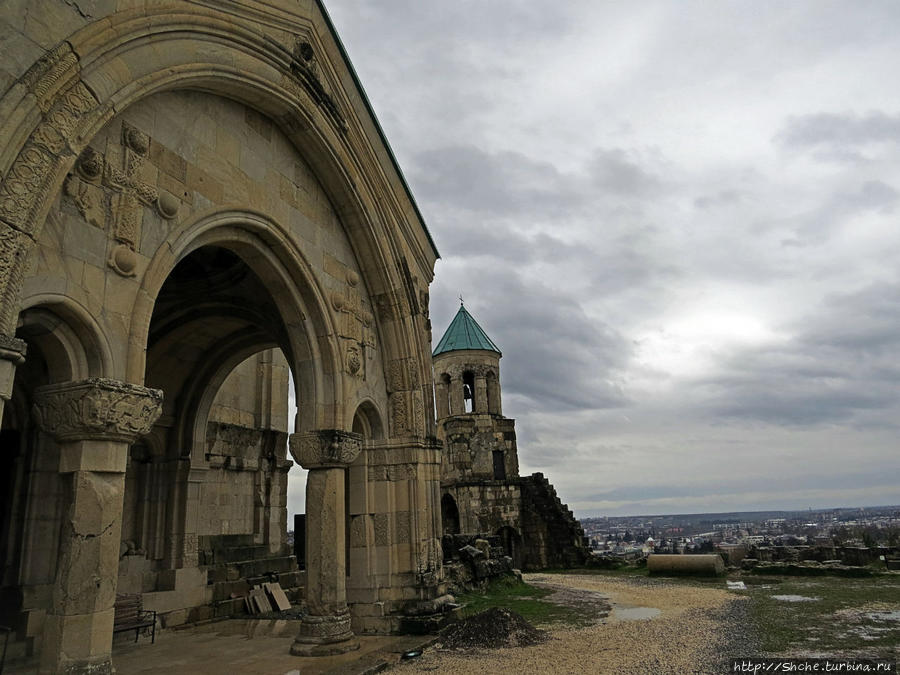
{"x":844,"y":619}
{"x":523,"y":599}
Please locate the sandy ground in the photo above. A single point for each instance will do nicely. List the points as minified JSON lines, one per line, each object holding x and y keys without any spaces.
{"x":689,"y":635}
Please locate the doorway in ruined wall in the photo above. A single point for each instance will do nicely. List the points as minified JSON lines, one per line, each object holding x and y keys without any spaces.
{"x":219,"y":347}
{"x":512,"y":544}
{"x":449,"y":515}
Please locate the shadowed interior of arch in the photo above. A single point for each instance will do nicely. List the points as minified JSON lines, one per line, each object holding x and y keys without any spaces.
{"x":215,"y":323}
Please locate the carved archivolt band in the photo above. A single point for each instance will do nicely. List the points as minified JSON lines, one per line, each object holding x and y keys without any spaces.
{"x":325,"y":448}
{"x":98,"y":409}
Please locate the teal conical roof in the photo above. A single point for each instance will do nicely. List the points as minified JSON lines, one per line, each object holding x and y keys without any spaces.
{"x":464,"y":333}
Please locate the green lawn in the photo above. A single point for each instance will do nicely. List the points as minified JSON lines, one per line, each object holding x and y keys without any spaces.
{"x":529,"y":601}
{"x":847,"y":616}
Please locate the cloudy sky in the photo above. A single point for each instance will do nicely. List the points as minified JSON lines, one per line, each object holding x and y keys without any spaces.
{"x":678,"y":220}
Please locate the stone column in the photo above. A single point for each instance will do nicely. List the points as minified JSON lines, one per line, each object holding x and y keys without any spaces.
{"x":442,"y":400}
{"x":327,"y":454}
{"x":457,"y":401}
{"x":12,"y":354}
{"x":94,"y":421}
{"x":493,"y":394}
{"x":480,"y":402}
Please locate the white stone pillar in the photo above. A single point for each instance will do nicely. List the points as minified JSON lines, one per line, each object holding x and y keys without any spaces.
{"x":94,"y":421}
{"x":493,"y":396}
{"x":480,"y":398}
{"x":442,"y":399}
{"x":327,"y":454}
{"x":457,"y":400}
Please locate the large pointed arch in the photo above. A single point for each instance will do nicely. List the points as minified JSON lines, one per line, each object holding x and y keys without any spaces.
{"x":102,"y":69}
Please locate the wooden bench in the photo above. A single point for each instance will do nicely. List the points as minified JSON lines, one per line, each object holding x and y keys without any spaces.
{"x":130,"y":615}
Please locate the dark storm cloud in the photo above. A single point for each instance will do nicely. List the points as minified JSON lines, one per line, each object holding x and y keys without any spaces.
{"x":613,"y":171}
{"x":814,"y":479}
{"x":555,"y":356}
{"x":840,"y":363}
{"x":839,"y":210}
{"x":495,"y":183}
{"x":600,"y":171}
{"x":721,"y":198}
{"x":499,"y":242}
{"x":840,"y":136}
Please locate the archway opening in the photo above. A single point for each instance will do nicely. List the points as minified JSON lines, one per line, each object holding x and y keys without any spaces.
{"x":512,"y":544}
{"x":33,"y":494}
{"x":209,"y":484}
{"x":449,"y":515}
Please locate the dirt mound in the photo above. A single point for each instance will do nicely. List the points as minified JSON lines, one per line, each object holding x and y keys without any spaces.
{"x":491,"y":629}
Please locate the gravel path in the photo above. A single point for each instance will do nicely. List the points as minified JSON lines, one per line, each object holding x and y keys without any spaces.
{"x":695,"y":631}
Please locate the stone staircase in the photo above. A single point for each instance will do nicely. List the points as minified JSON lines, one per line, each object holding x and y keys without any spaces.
{"x":234,"y":565}
{"x":550,"y":529}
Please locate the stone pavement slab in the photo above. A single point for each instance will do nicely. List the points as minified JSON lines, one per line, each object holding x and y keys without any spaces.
{"x":253,"y":646}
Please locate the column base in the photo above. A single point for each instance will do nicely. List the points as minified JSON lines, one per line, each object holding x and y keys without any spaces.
{"x":325,"y":636}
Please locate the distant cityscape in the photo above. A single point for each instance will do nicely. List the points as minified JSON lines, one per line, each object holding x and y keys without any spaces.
{"x":633,"y":536}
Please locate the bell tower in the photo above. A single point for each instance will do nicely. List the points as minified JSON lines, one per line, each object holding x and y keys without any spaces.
{"x":479,"y":442}
{"x":482,"y":493}
{"x":467,"y":370}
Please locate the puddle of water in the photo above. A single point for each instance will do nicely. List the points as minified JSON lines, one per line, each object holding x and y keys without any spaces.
{"x":633,"y":613}
{"x":794,"y":598}
{"x":251,"y":628}
{"x":891,"y":615}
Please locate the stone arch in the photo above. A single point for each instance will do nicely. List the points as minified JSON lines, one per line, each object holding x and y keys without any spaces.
{"x":108,"y":65}
{"x":69,"y":337}
{"x":64,"y":100}
{"x":266,"y":248}
{"x":367,"y":422}
{"x":65,"y":345}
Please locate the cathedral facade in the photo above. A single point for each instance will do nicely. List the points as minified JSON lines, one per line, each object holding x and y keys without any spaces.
{"x":185,"y":187}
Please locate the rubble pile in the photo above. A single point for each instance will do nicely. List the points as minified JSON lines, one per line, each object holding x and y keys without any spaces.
{"x":491,"y":629}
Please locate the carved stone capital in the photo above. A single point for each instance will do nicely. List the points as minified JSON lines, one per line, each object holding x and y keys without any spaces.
{"x":12,"y":354}
{"x":12,"y":349}
{"x":97,"y":409}
{"x":325,"y":448}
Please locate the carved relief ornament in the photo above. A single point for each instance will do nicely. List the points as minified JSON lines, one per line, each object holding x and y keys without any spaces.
{"x":325,"y":448}
{"x":97,"y":409}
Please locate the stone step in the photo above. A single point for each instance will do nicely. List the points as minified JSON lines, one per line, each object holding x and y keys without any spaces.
{"x":247,"y":569}
{"x":223,"y":590}
{"x":236,"y":606}
{"x":234,"y":554}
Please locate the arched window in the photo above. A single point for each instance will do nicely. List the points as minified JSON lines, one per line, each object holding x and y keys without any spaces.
{"x":469,"y":390}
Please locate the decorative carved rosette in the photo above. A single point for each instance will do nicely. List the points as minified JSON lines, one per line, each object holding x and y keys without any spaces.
{"x":325,"y":448}
{"x":97,"y":409}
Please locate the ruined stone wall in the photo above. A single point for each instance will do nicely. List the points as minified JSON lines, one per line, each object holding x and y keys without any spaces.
{"x":485,"y":507}
{"x":552,"y":537}
{"x":470,"y":443}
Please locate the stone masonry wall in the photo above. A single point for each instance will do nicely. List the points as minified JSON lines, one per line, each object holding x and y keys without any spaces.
{"x":552,"y":537}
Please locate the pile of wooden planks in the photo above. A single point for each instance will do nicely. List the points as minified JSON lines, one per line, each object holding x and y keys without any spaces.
{"x":268,"y":597}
